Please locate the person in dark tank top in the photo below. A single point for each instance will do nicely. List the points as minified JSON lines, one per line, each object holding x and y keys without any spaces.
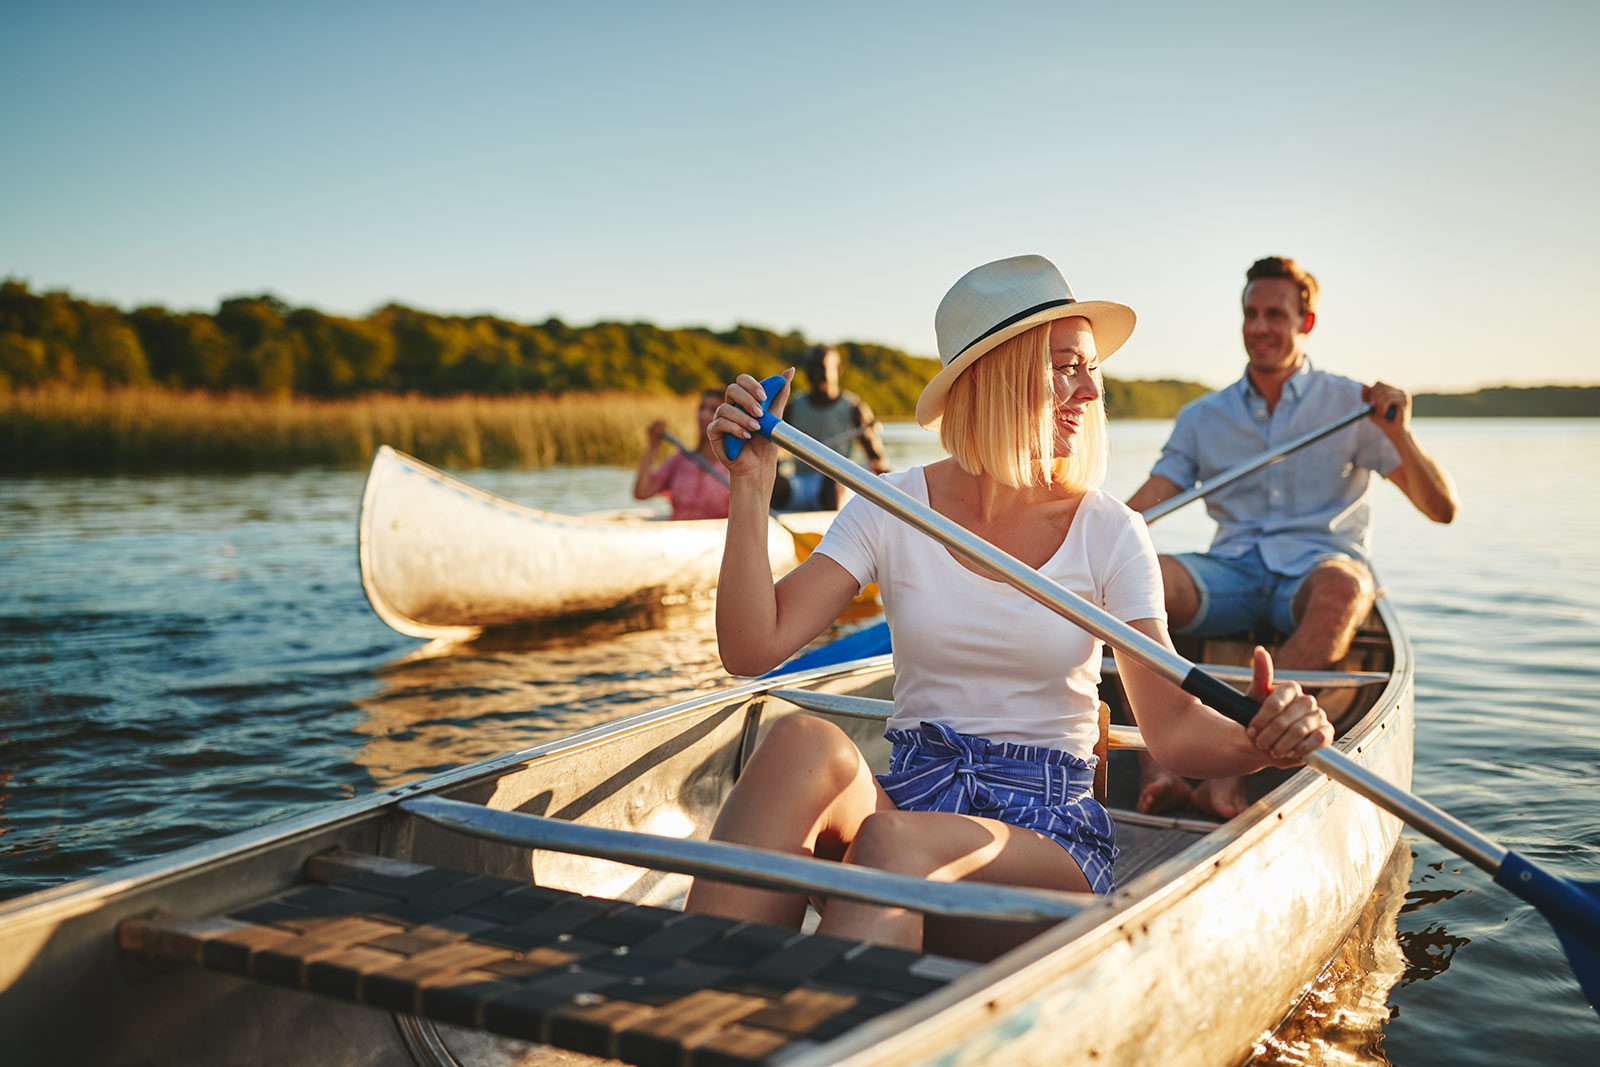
{"x":831,"y":415}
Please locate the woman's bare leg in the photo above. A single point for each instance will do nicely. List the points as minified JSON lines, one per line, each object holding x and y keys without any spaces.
{"x":945,"y":847}
{"x":806,"y":790}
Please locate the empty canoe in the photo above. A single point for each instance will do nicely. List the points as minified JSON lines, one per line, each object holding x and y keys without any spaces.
{"x":444,"y":559}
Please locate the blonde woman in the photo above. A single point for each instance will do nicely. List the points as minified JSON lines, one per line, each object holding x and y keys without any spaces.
{"x":995,"y":714}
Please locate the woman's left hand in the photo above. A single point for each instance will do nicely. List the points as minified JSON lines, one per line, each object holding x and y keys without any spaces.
{"x":1290,"y":723}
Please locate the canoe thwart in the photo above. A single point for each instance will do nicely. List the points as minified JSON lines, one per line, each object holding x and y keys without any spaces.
{"x":761,"y":868}
{"x":597,"y":976}
{"x":875,"y":708}
{"x":1241,"y":676}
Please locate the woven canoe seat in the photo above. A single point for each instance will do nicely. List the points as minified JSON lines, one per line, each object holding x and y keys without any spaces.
{"x":643,"y":984}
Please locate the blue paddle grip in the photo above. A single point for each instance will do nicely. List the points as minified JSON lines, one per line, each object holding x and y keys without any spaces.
{"x":772,"y":386}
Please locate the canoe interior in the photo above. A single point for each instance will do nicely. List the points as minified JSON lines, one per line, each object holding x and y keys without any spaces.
{"x":668,"y":773}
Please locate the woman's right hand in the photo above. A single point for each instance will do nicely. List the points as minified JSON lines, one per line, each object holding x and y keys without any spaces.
{"x":738,"y":416}
{"x":1290,"y":724}
{"x":655,"y":432}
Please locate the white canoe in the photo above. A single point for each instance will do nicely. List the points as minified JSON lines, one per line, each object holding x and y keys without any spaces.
{"x":533,"y":896}
{"x":444,"y":559}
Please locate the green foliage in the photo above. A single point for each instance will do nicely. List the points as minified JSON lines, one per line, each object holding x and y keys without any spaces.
{"x":1149,"y":400}
{"x":1570,"y":401}
{"x":258,"y":344}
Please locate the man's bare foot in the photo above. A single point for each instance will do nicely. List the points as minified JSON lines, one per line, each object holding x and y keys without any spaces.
{"x":1222,"y":797}
{"x":1160,"y":789}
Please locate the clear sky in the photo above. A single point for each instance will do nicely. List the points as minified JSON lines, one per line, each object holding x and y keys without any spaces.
{"x":830,"y":168}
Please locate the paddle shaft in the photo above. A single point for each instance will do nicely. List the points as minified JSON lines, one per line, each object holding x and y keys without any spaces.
{"x":707,"y":466}
{"x":1249,"y":466}
{"x":760,"y":868}
{"x":700,"y":461}
{"x":808,"y":541}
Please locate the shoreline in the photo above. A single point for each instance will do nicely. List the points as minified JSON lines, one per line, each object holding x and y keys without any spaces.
{"x":149,"y":430}
{"x":154,"y":430}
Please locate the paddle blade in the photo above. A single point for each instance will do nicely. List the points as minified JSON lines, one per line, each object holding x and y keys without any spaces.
{"x":772,"y":386}
{"x":1585,"y":960}
{"x":1571,"y":908}
{"x":869,"y":641}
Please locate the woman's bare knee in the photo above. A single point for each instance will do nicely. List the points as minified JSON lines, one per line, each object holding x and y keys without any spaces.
{"x":893,"y":841}
{"x":805,"y":789}
{"x":804,"y":747}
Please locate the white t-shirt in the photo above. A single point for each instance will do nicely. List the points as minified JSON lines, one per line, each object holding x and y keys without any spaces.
{"x":975,"y":654}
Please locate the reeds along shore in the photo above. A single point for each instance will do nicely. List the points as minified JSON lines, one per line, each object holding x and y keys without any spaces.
{"x":144,"y":429}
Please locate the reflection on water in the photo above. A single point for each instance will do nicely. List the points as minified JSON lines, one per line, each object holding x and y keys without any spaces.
{"x":1340,"y":1021}
{"x":448,"y":704}
{"x":445,"y":705}
{"x":1429,"y":950}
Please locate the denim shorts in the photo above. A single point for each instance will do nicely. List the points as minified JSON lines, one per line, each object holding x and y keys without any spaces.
{"x":1240,"y":593}
{"x":934,"y":768}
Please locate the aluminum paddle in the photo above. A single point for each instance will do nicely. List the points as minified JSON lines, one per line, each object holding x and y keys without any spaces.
{"x":1250,"y":466}
{"x":1572,"y":908}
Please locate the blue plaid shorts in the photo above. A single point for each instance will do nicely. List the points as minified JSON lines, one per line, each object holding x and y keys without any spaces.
{"x":934,"y":768}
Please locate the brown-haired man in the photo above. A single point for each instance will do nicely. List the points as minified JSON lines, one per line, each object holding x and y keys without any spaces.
{"x":1291,"y":549}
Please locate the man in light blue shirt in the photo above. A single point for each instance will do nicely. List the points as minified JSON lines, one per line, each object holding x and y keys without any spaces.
{"x":1291,"y":549}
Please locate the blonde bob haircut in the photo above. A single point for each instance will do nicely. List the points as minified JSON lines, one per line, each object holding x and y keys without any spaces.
{"x":999,"y":419}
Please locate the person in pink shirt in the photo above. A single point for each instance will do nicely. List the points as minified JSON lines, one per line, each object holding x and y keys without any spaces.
{"x":696,"y":482}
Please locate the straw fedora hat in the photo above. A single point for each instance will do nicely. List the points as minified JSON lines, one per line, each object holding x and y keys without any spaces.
{"x":996,"y":302}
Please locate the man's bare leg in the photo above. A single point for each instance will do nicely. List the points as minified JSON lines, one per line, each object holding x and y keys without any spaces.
{"x":1329,"y":605}
{"x":1332,"y":601}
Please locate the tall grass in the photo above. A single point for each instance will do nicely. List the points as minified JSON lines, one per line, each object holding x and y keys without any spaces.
{"x":56,"y":429}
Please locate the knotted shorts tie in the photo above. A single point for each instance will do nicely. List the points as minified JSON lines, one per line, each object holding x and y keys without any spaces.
{"x":935,"y":768}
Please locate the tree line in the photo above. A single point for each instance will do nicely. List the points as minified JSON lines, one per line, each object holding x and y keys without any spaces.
{"x":261,"y":345}
{"x":1538,"y":401}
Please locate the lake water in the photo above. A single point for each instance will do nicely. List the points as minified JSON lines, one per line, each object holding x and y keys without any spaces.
{"x":186,"y":656}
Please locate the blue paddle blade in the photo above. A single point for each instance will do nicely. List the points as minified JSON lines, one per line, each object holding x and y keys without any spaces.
{"x":1571,"y":908}
{"x":1584,"y":958}
{"x":772,"y":386}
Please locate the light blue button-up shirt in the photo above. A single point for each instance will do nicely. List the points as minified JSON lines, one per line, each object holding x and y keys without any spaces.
{"x":1301,"y":508}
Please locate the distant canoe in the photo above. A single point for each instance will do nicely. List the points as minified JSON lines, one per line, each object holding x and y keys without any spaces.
{"x":444,"y":559}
